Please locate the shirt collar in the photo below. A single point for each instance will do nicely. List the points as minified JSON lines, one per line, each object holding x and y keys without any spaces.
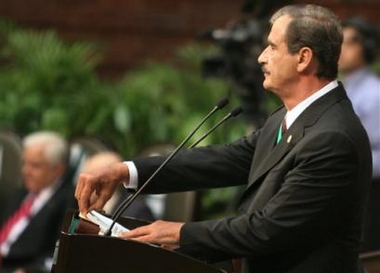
{"x":44,"y":195}
{"x":293,"y":114}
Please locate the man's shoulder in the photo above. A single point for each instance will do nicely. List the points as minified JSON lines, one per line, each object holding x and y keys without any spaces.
{"x":278,"y":110}
{"x":64,"y":193}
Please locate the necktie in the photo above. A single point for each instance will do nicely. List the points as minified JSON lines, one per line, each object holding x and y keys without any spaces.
{"x":23,"y":211}
{"x":281,"y":130}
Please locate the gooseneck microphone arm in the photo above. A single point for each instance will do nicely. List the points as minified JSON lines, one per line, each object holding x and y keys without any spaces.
{"x":234,"y":113}
{"x":126,"y":203}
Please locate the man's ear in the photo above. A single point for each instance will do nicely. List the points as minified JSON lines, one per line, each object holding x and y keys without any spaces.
{"x":305,"y":60}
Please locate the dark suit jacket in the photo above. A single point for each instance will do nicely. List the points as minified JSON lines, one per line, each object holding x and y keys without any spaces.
{"x":303,"y":205}
{"x":37,"y":242}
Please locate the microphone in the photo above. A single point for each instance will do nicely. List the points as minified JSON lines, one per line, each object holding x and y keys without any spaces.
{"x":233,"y":113}
{"x":127,"y":202}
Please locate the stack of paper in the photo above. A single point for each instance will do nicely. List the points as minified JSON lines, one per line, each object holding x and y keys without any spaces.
{"x":104,"y":223}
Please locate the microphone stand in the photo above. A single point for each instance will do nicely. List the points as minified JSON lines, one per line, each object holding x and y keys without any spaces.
{"x":235,"y":112}
{"x":126,"y":203}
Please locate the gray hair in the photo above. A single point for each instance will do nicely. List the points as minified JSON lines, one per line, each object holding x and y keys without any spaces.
{"x":319,"y":29}
{"x":55,"y":147}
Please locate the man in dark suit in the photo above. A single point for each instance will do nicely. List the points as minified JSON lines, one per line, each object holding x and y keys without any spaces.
{"x":307,"y":170}
{"x":27,"y":240}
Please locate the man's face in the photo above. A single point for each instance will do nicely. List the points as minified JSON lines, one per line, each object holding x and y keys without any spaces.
{"x":351,"y":57}
{"x":278,"y":65}
{"x":37,"y":172}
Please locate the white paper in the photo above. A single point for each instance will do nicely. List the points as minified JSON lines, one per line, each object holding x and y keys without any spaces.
{"x":104,"y":223}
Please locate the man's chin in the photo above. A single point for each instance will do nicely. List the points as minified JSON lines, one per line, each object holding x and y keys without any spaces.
{"x":30,"y":187}
{"x":266,"y":85}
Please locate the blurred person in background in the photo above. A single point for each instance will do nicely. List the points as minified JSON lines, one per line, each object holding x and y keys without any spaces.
{"x":34,"y":214}
{"x":359,"y":51}
{"x":138,"y":209}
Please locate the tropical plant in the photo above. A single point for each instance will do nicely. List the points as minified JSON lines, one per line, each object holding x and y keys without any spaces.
{"x":44,"y":82}
{"x":48,"y":84}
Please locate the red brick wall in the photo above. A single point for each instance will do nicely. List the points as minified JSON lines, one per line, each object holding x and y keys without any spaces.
{"x":133,"y":30}
{"x":137,"y":30}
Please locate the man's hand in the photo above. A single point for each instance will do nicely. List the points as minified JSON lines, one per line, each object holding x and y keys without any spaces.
{"x":100,"y":184}
{"x":160,"y":232}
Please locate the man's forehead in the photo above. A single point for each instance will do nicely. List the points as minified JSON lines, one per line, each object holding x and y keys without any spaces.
{"x":278,"y":30}
{"x":351,"y":35}
{"x":350,"y":31}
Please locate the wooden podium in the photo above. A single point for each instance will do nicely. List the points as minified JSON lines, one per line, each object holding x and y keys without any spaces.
{"x":99,"y":254}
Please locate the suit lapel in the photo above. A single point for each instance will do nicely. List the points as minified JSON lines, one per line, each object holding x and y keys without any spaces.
{"x":15,"y":201}
{"x":266,"y":144}
{"x":274,"y":155}
{"x":266,"y":158}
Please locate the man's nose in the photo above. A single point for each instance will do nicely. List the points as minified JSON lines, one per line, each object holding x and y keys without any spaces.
{"x":261,"y":59}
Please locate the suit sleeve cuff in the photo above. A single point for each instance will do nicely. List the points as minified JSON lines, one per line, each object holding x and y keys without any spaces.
{"x":133,"y":176}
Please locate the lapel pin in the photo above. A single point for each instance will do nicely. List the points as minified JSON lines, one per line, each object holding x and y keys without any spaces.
{"x":289,"y":139}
